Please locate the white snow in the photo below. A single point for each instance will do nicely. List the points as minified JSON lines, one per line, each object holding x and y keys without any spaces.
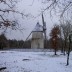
{"x":16,"y":61}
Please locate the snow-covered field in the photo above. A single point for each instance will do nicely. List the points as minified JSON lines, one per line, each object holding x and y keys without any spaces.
{"x":16,"y":61}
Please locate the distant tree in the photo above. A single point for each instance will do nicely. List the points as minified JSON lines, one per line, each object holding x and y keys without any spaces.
{"x":27,"y":44}
{"x":19,"y":43}
{"x":54,"y":36}
{"x":13,"y":43}
{"x":3,"y":41}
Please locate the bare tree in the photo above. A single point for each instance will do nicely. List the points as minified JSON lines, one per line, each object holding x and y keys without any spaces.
{"x":62,"y":8}
{"x":59,"y":6}
{"x":66,"y":29}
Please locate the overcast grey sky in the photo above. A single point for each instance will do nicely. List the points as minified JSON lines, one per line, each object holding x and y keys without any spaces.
{"x":29,"y":23}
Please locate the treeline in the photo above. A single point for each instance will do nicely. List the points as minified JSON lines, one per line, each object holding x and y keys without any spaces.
{"x":19,"y":44}
{"x":11,"y":44}
{"x":6,"y":44}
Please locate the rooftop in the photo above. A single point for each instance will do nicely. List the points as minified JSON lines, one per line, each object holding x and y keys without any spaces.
{"x":38,"y":27}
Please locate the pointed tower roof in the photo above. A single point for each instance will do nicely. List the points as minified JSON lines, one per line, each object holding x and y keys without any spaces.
{"x":38,"y":28}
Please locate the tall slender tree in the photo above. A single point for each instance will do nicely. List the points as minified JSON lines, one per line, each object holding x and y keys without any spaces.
{"x":66,"y":28}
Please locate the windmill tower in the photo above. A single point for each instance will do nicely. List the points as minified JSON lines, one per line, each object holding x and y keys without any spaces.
{"x":37,"y":37}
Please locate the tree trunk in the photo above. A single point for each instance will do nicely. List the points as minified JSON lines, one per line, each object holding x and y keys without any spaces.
{"x":55,"y":52}
{"x":65,"y":46}
{"x":68,"y":54}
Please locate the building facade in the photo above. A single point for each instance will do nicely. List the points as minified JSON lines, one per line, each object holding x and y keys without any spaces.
{"x":37,"y":37}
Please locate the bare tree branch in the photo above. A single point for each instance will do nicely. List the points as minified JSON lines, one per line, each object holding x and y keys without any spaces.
{"x":5,"y":22}
{"x":65,"y":9}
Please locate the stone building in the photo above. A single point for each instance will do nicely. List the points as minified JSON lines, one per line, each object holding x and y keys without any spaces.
{"x":37,"y":37}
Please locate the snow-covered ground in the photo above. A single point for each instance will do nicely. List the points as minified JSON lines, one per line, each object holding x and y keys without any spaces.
{"x":16,"y":61}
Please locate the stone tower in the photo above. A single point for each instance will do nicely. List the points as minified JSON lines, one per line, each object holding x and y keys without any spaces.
{"x":37,"y":37}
